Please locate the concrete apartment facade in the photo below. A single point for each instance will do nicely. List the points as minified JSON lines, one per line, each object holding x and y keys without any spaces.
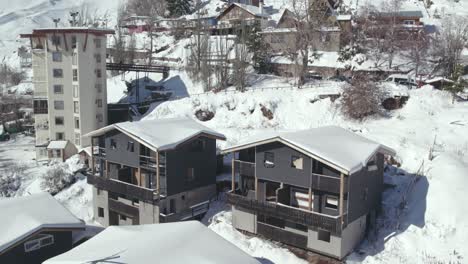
{"x":317,"y":189}
{"x":152,"y":171}
{"x":69,"y":77}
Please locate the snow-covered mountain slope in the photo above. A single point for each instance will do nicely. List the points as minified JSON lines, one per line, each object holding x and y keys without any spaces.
{"x":22,"y":16}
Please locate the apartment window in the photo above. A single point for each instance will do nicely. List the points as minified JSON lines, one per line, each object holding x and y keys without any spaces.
{"x":190,"y":174}
{"x":59,"y":105}
{"x":100,"y":212}
{"x":42,"y":240}
{"x":59,"y":136}
{"x":323,"y":235}
{"x":75,"y":75}
{"x":74,"y":59}
{"x":297,"y":162}
{"x":113,"y":143}
{"x":409,"y":22}
{"x":172,"y":206}
{"x":198,"y":145}
{"x":73,"y":42}
{"x":98,"y":73}
{"x":331,"y":202}
{"x":77,"y":139}
{"x":97,"y":43}
{"x":98,"y":58}
{"x":59,"y":121}
{"x":269,"y":160}
{"x":76,"y":107}
{"x":75,"y":91}
{"x":98,"y":87}
{"x":56,"y":153}
{"x":77,"y":123}
{"x":58,"y":89}
{"x":56,"y":56}
{"x":131,"y":146}
{"x":56,"y":40}
{"x":99,"y":117}
{"x":57,"y":73}
{"x":99,"y":102}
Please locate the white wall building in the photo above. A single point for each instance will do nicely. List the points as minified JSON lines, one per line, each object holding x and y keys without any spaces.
{"x":69,"y":76}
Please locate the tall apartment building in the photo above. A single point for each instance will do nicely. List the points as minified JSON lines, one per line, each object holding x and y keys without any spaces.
{"x":69,"y":76}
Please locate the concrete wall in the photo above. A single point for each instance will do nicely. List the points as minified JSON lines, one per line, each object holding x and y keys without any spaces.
{"x":121,"y":154}
{"x":186,"y":199}
{"x":244,"y":220}
{"x":332,"y":248}
{"x":352,"y":235}
{"x":101,"y":200}
{"x":149,"y":213}
{"x":17,"y":254}
{"x":182,"y":158}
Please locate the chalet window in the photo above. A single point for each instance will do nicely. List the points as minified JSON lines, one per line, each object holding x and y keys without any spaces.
{"x":323,"y":235}
{"x":56,"y":40}
{"x":190,"y":174}
{"x":76,"y":107}
{"x":58,"y":89}
{"x":73,"y":42}
{"x":77,"y":139}
{"x":59,"y":105}
{"x":113,"y":143}
{"x":100,"y":212}
{"x":56,"y":56}
{"x":198,"y":145}
{"x":331,"y":202}
{"x":75,"y":75}
{"x":297,"y":162}
{"x":59,"y":121}
{"x":123,"y":218}
{"x":41,"y":241}
{"x":131,"y":146}
{"x":58,"y":73}
{"x":59,"y":136}
{"x":269,"y":160}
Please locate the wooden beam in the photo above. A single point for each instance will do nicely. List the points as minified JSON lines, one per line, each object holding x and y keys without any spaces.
{"x":310,"y":199}
{"x":233,"y":178}
{"x":158,"y":182}
{"x":107,"y":170}
{"x":92,"y":157}
{"x":341,"y":197}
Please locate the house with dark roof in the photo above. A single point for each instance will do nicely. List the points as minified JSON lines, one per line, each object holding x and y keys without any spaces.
{"x":35,"y":228}
{"x":237,"y":14}
{"x":317,"y":189}
{"x":152,"y":171}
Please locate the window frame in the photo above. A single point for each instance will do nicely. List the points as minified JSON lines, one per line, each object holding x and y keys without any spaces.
{"x":295,"y":158}
{"x":131,"y":146}
{"x":323,"y":235}
{"x":38,"y":243}
{"x":57,"y":73}
{"x":113,"y":143}
{"x":266,"y":162}
{"x":57,"y":104}
{"x":75,"y":75}
{"x":331,"y":205}
{"x":57,"y":59}
{"x":56,"y":86}
{"x":100,"y":212}
{"x":59,"y":118}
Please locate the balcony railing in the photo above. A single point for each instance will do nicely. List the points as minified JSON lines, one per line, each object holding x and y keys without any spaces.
{"x":311,"y":219}
{"x":187,"y":214}
{"x":327,"y":183}
{"x":244,"y":168}
{"x":122,"y":208}
{"x":99,"y":151}
{"x":123,"y":188}
{"x":41,"y":110}
{"x":147,"y":161}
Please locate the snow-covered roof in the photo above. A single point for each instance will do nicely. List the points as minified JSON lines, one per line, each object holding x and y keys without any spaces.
{"x":404,"y":13}
{"x":161,"y":134}
{"x":335,"y":146}
{"x":254,"y":10}
{"x":343,"y":17}
{"x":437,"y":79}
{"x":24,"y":216}
{"x":87,"y":150}
{"x":57,"y":144}
{"x":175,"y":243}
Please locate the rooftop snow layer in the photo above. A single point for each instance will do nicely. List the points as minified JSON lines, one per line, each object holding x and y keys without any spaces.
{"x":335,"y":145}
{"x":27,"y":215}
{"x":161,"y":134}
{"x":57,"y":144}
{"x":182,"y":242}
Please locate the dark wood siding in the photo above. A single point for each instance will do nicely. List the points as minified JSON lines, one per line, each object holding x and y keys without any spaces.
{"x":121,"y":154}
{"x":17,"y":255}
{"x":182,"y":158}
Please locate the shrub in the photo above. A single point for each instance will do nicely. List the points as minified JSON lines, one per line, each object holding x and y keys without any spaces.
{"x":361,"y":98}
{"x":57,"y":178}
{"x":10,"y":180}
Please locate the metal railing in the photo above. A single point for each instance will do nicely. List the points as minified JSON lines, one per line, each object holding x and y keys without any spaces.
{"x":311,"y":219}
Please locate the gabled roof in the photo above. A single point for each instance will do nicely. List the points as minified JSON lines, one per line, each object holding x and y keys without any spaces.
{"x":57,"y":144}
{"x":175,"y":243}
{"x":24,"y":216}
{"x":161,"y":134}
{"x":332,"y":145}
{"x":254,"y":10}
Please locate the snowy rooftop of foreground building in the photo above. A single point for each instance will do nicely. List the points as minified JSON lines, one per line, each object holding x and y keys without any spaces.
{"x":57,"y":144}
{"x":161,"y":134}
{"x":182,"y":242}
{"x":342,"y":149}
{"x":24,"y":216}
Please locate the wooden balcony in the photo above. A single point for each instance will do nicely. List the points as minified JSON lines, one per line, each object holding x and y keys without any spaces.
{"x":244,"y":168}
{"x":129,"y":190}
{"x":122,"y":208}
{"x":148,"y":162}
{"x":327,"y":183}
{"x":311,"y":219}
{"x":187,"y":214}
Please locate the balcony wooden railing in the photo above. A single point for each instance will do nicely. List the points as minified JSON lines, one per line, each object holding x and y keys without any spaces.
{"x":311,"y":219}
{"x":187,"y":214}
{"x":327,"y":183}
{"x":147,"y":161}
{"x":123,"y":188}
{"x":244,"y":168}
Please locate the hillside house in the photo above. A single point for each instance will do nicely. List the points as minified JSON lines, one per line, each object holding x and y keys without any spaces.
{"x":35,"y":228}
{"x":153,"y":171}
{"x":407,"y":22}
{"x":317,"y":189}
{"x":183,"y":242}
{"x":136,"y":24}
{"x":237,"y":14}
{"x":60,"y":150}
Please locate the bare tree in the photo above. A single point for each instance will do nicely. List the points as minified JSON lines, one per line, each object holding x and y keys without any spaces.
{"x":241,"y":61}
{"x":219,"y":61}
{"x":119,"y":36}
{"x":451,"y":41}
{"x":391,"y":29}
{"x":416,"y":49}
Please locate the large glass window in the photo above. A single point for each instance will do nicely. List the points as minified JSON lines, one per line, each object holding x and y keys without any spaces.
{"x":59,"y":121}
{"x":59,"y":105}
{"x":58,"y":89}
{"x":40,"y":241}
{"x":57,"y":73}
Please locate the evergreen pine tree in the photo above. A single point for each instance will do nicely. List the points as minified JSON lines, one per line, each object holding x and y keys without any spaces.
{"x":458,"y":85}
{"x":259,"y":48}
{"x":179,"y":8}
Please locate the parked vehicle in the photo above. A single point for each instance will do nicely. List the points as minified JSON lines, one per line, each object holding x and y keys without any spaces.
{"x":402,"y":79}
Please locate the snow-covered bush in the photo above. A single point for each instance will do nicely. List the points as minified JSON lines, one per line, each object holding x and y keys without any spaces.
{"x":361,"y":98}
{"x":10,"y":180}
{"x":57,"y":178}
